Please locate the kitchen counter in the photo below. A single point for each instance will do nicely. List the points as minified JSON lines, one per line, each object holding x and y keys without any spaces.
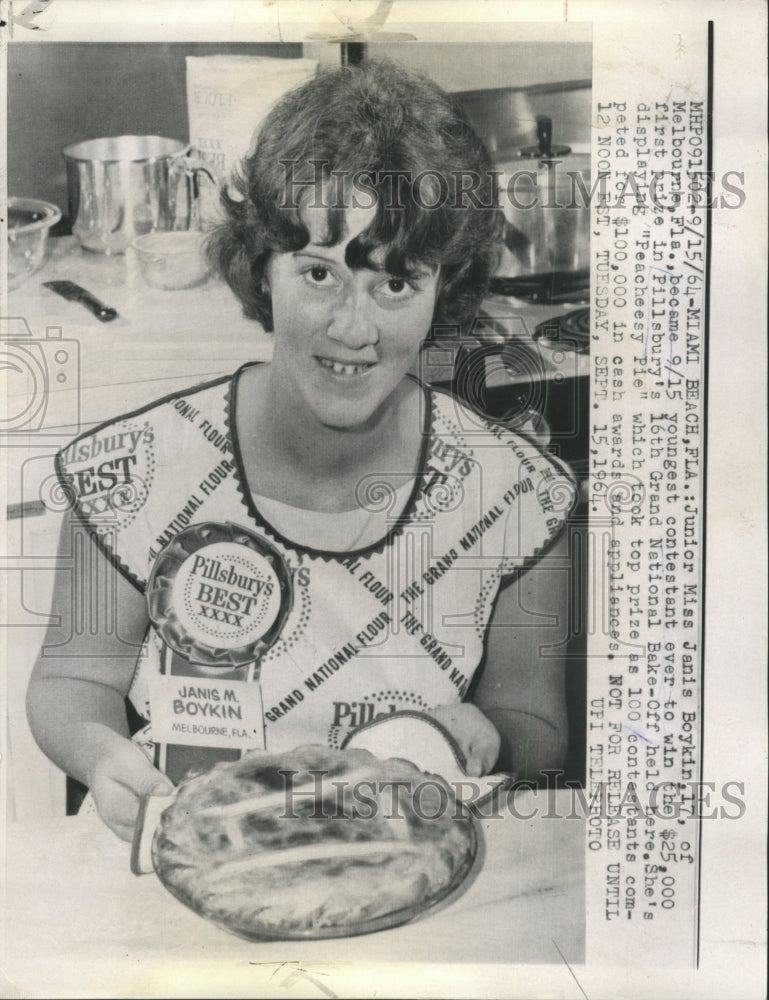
{"x":79,"y":924}
{"x":160,"y":341}
{"x":205,"y":310}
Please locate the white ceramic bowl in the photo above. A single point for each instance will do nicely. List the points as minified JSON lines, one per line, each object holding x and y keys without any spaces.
{"x":29,"y":223}
{"x":172,"y":259}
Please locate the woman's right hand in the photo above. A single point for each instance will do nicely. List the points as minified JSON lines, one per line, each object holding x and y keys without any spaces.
{"x":76,"y":705}
{"x":119,"y":779}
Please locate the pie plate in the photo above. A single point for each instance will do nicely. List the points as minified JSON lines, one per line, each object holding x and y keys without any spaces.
{"x":461,"y":881}
{"x":323,"y":862}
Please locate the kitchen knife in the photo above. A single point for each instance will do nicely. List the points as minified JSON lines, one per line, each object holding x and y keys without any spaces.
{"x":75,"y":293}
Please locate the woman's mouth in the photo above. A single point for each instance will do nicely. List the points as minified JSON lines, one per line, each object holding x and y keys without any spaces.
{"x":345,"y":369}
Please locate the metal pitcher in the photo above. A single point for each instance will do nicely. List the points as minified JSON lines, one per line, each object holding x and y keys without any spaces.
{"x":125,"y":186}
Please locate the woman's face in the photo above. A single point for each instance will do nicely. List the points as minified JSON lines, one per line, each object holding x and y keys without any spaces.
{"x":344,"y":339}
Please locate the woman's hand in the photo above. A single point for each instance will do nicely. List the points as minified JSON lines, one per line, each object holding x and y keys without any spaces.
{"x":76,"y":704}
{"x":119,"y":779}
{"x":477,"y":737}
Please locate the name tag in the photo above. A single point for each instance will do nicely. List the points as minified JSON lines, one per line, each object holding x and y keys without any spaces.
{"x":203,"y":711}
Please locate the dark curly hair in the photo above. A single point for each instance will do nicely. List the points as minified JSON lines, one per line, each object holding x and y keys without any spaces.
{"x":383,"y":136}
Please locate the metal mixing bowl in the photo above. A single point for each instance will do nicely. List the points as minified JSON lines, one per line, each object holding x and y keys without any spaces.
{"x":29,"y":223}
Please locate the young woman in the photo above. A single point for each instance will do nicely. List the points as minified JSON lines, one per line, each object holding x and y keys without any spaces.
{"x":323,"y":530}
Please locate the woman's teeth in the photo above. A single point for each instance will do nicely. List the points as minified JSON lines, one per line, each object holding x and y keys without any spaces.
{"x":340,"y":369}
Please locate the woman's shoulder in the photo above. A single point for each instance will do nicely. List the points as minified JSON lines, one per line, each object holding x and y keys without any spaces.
{"x":201,"y":405}
{"x":131,"y":476}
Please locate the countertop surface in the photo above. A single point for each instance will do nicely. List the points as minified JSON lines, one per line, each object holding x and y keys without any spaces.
{"x":160,"y":341}
{"x":210,"y":307}
{"x":79,"y":924}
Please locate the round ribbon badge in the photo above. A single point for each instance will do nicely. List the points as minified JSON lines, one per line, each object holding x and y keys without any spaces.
{"x":219,"y":595}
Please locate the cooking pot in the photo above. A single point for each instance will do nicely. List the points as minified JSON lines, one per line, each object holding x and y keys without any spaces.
{"x":545,"y":198}
{"x":125,"y":186}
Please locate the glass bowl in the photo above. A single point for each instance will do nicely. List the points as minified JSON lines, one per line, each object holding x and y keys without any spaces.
{"x":29,"y":223}
{"x":172,"y":259}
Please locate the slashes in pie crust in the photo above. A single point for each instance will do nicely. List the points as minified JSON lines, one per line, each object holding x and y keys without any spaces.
{"x":313,"y":843}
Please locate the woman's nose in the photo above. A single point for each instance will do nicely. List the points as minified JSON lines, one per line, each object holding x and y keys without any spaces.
{"x":353,"y":322}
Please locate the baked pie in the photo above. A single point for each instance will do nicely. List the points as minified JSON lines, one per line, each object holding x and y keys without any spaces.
{"x":313,"y":843}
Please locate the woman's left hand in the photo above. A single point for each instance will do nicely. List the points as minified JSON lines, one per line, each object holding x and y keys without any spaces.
{"x":476,"y":735}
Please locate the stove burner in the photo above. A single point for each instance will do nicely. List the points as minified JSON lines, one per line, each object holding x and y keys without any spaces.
{"x":568,"y":333}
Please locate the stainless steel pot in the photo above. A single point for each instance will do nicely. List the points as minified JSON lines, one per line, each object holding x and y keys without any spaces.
{"x":124,"y":186}
{"x":545,"y":198}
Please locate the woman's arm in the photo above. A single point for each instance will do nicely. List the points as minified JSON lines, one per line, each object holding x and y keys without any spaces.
{"x":521,"y":689}
{"x":76,"y":694}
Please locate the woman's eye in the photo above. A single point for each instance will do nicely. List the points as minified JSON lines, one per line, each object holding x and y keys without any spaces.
{"x":319,"y":275}
{"x":397,"y":288}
